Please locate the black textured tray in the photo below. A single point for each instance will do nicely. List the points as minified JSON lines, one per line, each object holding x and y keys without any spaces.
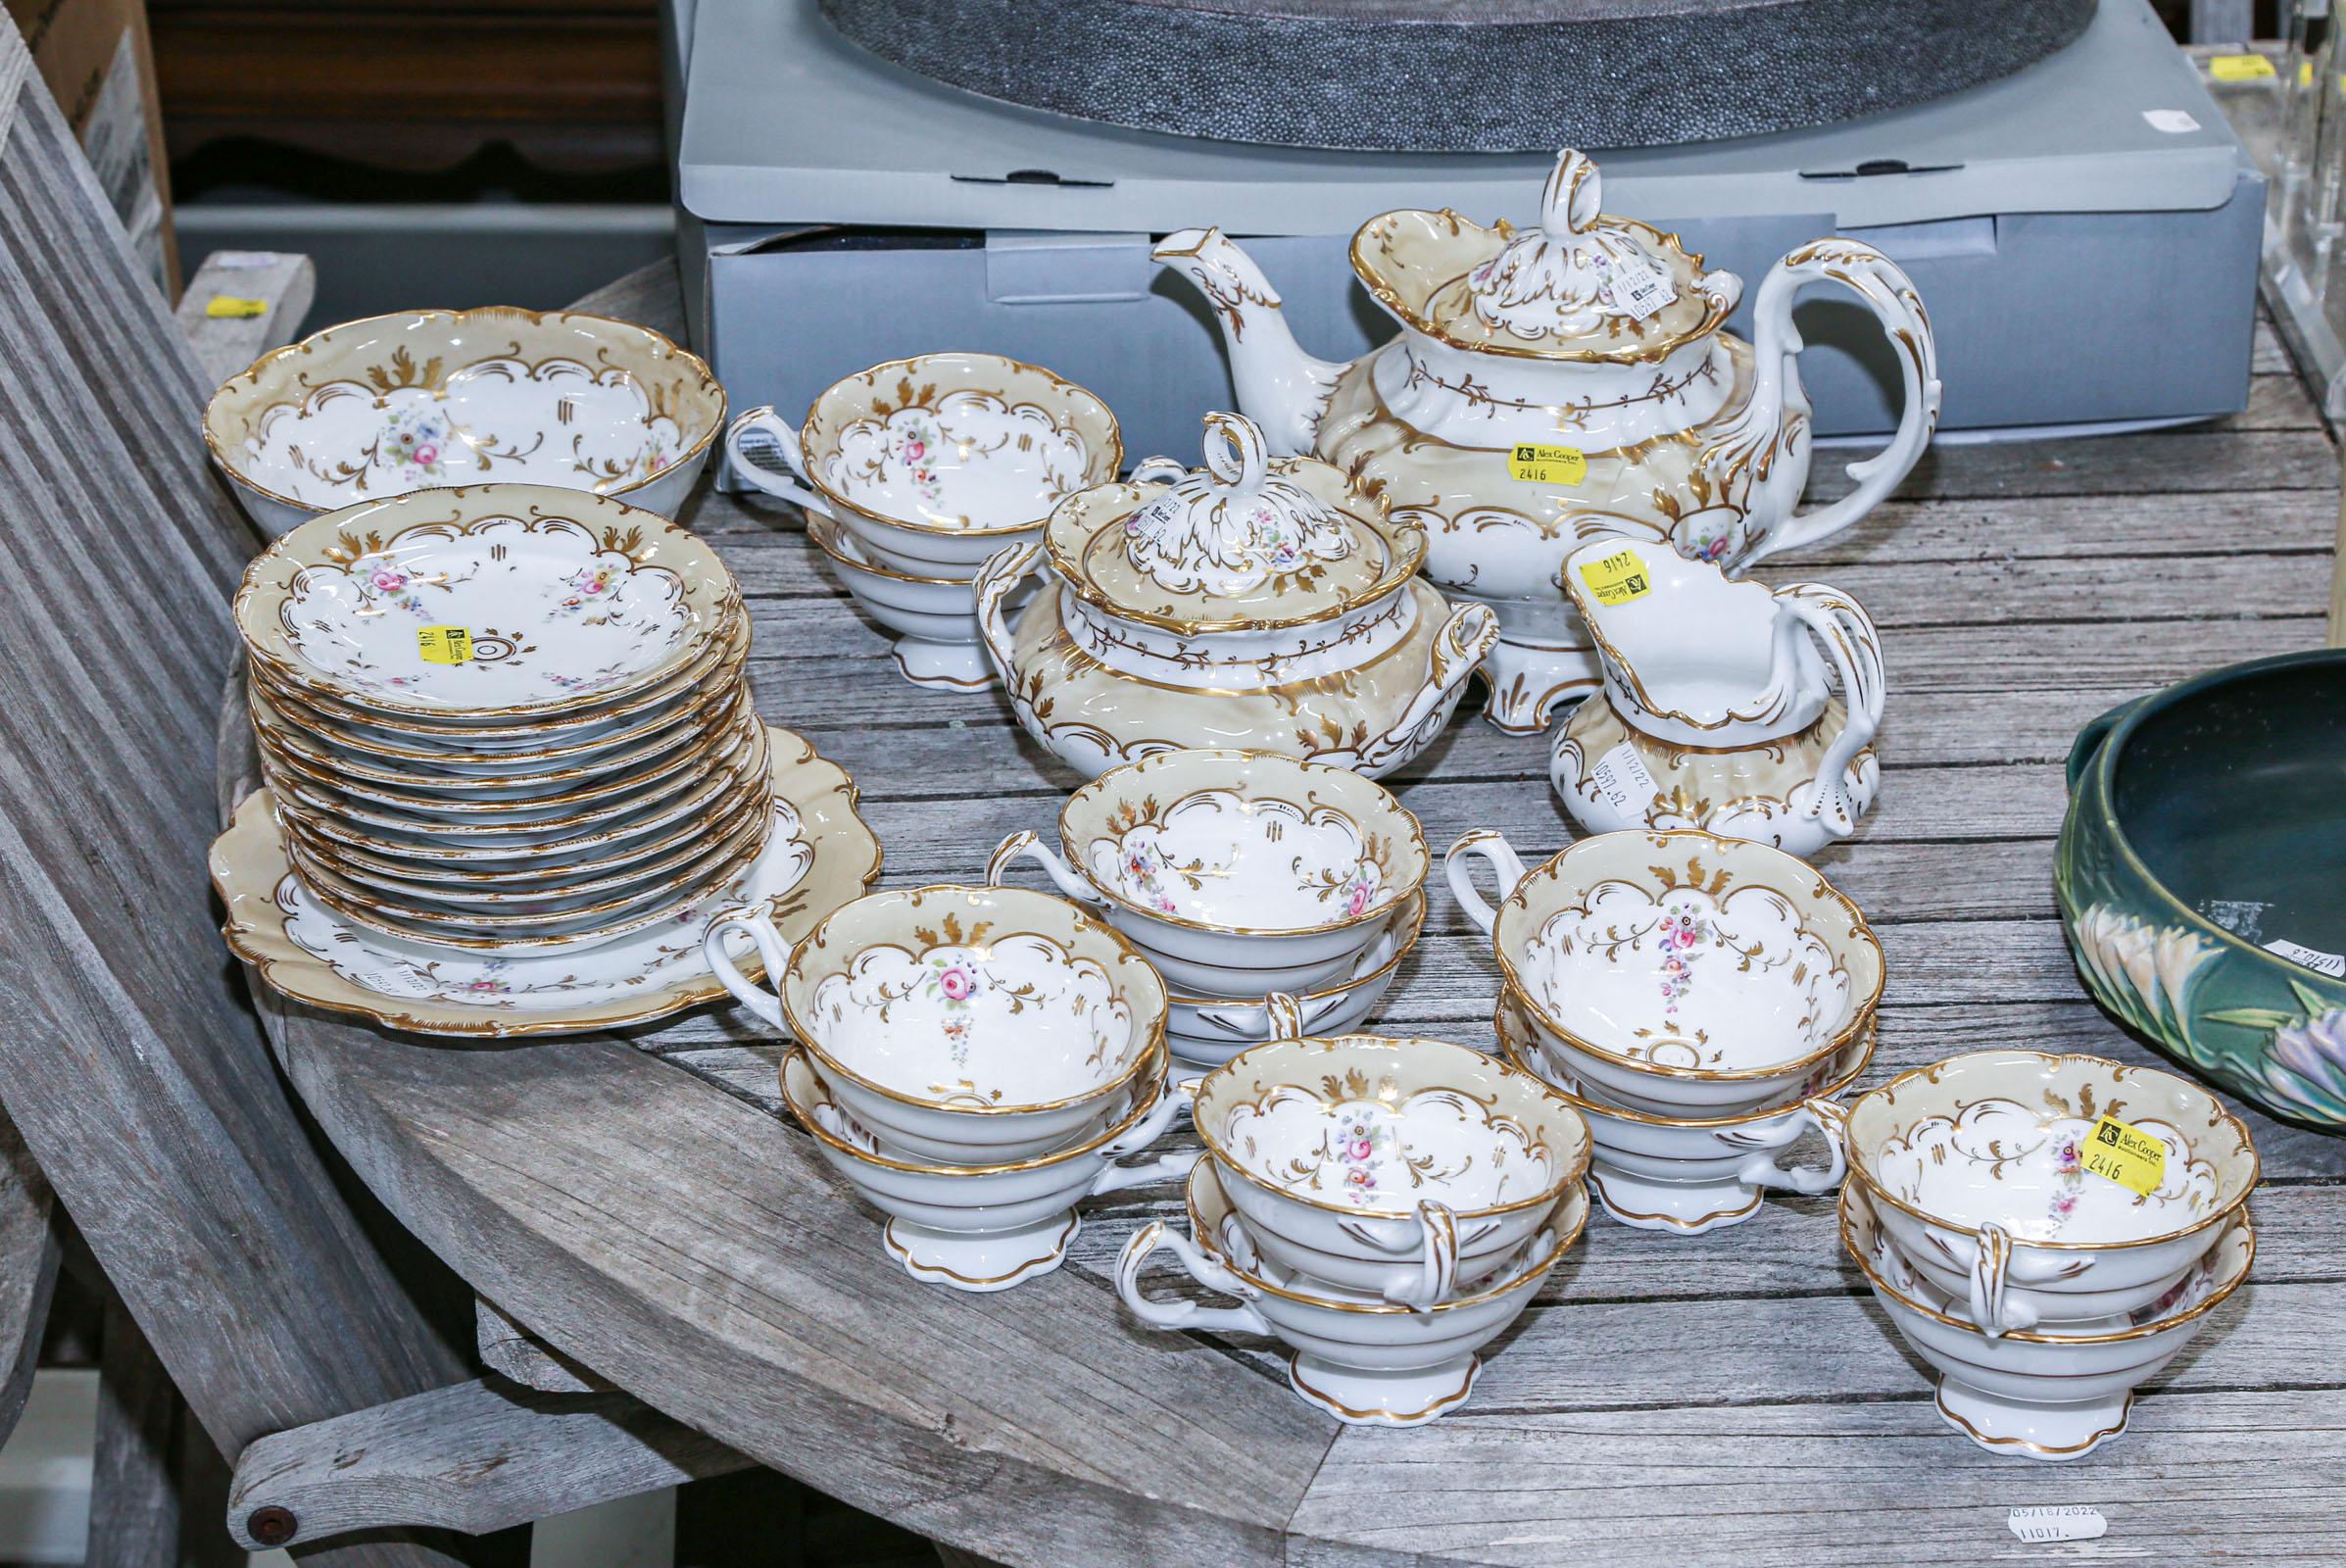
{"x":1463,"y":76}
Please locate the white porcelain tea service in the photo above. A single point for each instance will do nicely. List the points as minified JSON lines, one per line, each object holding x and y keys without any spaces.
{"x":972,"y":1060}
{"x":2058,"y":1391}
{"x":1561,"y":383}
{"x":1717,"y":712}
{"x":378,"y":407}
{"x":1982,"y":1171}
{"x":1366,"y":1177}
{"x":922,"y":468}
{"x":1262,"y":602}
{"x":507,"y":722}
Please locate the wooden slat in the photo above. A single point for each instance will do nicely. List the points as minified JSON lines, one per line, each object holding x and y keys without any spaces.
{"x":28,"y":1260}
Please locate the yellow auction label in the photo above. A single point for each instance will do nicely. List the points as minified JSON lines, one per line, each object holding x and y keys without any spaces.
{"x":1547,"y":464}
{"x":444,"y":645}
{"x":2240,"y":68}
{"x":1618,"y":578}
{"x":2134,"y":1160}
{"x":230,"y":305}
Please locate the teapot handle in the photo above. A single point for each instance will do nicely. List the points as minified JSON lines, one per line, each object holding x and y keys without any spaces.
{"x":1886,"y":288}
{"x":1851,"y":641}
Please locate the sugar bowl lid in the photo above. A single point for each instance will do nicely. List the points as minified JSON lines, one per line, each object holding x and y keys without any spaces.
{"x":1246,"y":541}
{"x":1583,"y":284}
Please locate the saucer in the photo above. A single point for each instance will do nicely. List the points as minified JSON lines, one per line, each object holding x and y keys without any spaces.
{"x":819,"y":855}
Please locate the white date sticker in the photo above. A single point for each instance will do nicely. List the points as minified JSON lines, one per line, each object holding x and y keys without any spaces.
{"x":1620,"y":776}
{"x":2058,"y":1524}
{"x":2332,"y":965}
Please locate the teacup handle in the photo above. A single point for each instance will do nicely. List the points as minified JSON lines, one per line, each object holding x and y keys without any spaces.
{"x":753,"y":919}
{"x":1027,"y":844}
{"x":765,"y":422}
{"x":1848,"y":632}
{"x":1458,"y":867}
{"x":1283,"y":1016}
{"x":1828,"y":1118}
{"x":1992,"y":1311}
{"x":1435,"y":1239}
{"x":1157,"y":1236}
{"x":1171,"y":1101}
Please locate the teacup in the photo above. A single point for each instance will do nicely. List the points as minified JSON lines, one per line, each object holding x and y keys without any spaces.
{"x":934,"y":619}
{"x":1678,"y":974}
{"x":1236,"y":873}
{"x":2053,"y":1394}
{"x":1661,"y":1173}
{"x":1209,"y":1033}
{"x":965,"y":1025}
{"x":937,"y":461}
{"x":1364,"y":1361}
{"x":1988,"y":1171}
{"x":1392,"y":1167}
{"x":983,"y":1227}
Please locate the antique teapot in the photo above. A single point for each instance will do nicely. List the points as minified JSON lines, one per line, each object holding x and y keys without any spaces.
{"x":1718,"y":712}
{"x":1558,"y":384}
{"x":1258,"y":602}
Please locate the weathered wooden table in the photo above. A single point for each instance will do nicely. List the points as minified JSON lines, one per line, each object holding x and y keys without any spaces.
{"x":642,"y":1204}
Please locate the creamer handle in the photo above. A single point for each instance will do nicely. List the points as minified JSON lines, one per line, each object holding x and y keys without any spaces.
{"x":1851,"y":641}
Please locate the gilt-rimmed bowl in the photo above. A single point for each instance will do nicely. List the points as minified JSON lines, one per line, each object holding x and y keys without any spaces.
{"x":1678,"y":974}
{"x":935,"y":461}
{"x":391,"y":404}
{"x":1207,"y":1033}
{"x":1236,"y":873}
{"x":1392,"y":1166}
{"x":1987,"y":1170}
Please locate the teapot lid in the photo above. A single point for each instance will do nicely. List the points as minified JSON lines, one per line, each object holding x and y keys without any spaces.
{"x":1248,"y":540}
{"x":1581,"y":285}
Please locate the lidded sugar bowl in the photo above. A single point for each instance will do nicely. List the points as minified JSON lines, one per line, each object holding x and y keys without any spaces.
{"x":1258,"y":602}
{"x":1558,"y":384}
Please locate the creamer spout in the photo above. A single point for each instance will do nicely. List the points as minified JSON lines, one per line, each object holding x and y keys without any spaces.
{"x":1279,"y":386}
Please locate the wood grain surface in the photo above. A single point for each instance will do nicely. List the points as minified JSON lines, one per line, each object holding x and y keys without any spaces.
{"x":1737,"y":1396}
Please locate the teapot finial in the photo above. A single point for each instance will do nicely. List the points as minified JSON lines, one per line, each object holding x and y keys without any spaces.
{"x":1573,"y":196}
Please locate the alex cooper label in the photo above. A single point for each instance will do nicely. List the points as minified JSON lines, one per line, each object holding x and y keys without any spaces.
{"x":1547,"y":464}
{"x":2135,"y":1160}
{"x":443,"y":645}
{"x":1618,"y":578}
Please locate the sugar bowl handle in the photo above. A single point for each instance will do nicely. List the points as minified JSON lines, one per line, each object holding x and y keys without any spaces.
{"x":753,"y":919}
{"x":1157,"y":1236}
{"x":1458,"y":867}
{"x":762,"y":427}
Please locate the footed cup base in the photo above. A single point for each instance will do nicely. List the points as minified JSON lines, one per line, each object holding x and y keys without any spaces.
{"x":1687,"y":1210}
{"x":2049,"y":1433}
{"x":945,"y":667}
{"x":994,"y":1261}
{"x":1383,"y":1398}
{"x":1531,"y":682}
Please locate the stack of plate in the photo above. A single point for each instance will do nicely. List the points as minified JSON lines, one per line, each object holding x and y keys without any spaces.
{"x":505,"y":720}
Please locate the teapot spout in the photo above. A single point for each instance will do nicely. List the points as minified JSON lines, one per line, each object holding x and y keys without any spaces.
{"x":1280,"y":387}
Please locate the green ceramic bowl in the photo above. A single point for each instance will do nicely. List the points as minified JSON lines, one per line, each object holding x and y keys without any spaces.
{"x":2202,"y":877}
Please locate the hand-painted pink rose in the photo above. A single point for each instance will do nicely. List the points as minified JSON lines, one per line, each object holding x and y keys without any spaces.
{"x":915,"y":449}
{"x":1357,"y":899}
{"x":389,"y":581}
{"x":957,"y":983}
{"x":427,"y":456}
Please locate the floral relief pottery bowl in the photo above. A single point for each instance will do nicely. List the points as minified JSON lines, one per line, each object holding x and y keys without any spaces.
{"x":937,"y":641}
{"x":2199,"y":872}
{"x":1687,"y":1175}
{"x":935,"y":463}
{"x":2052,"y":1395}
{"x":983,"y":1227}
{"x":378,"y":407}
{"x":1207,"y":1033}
{"x":818,"y":854}
{"x":1565,"y":381}
{"x":1719,"y":710}
{"x":1235,"y":872}
{"x":1394,"y":1167}
{"x":964,"y":1024}
{"x":1978,"y":1167}
{"x":1365,"y":1361}
{"x":566,"y":601}
{"x":1678,"y":974}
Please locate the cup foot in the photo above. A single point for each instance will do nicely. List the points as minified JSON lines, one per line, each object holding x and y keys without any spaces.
{"x":1687,"y":1210}
{"x":2047,"y":1432}
{"x":1383,"y":1398}
{"x":995,"y":1261}
{"x":1530,"y":682}
{"x":945,"y":667}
